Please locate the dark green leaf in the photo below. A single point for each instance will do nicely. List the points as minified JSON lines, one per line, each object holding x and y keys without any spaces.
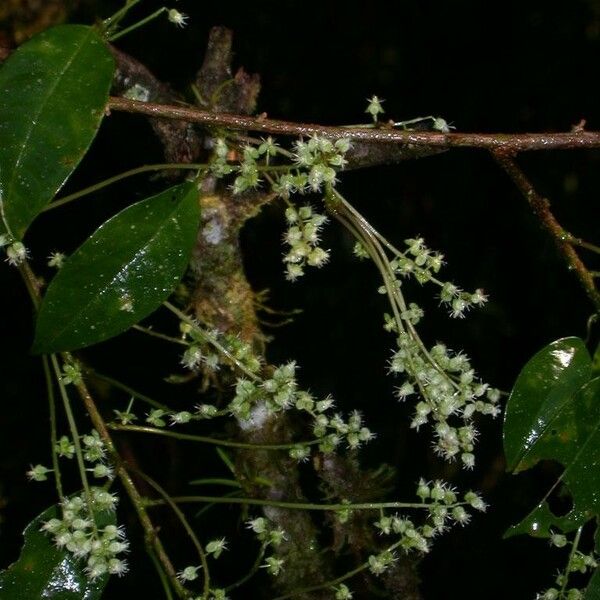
{"x":545,"y":384}
{"x":571,"y":437}
{"x":592,"y":591}
{"x":44,"y":571}
{"x":127,"y":268}
{"x":53,"y":93}
{"x":596,"y":362}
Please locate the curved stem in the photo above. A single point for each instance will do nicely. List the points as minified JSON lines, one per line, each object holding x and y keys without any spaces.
{"x":541,"y":209}
{"x":366,"y":235}
{"x":106,"y":182}
{"x":112,"y":22}
{"x":161,"y":573}
{"x":184,"y":522}
{"x":337,"y":580}
{"x":151,"y":534}
{"x":240,"y":582}
{"x":129,"y":390}
{"x":159,"y":335}
{"x":137,"y":25}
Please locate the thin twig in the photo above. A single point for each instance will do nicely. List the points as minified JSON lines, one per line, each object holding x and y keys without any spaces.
{"x":515,"y":142}
{"x":150,"y":531}
{"x":294,"y":505}
{"x":210,"y":440}
{"x":185,"y":523}
{"x":541,"y":208}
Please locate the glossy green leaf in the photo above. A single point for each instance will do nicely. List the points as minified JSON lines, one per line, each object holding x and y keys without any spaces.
{"x":53,"y":94}
{"x":546,"y":383}
{"x":571,"y":437}
{"x":592,"y":591}
{"x":44,"y":571}
{"x":122,"y":273}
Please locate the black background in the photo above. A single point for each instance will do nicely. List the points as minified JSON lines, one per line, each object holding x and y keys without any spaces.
{"x":485,"y":67}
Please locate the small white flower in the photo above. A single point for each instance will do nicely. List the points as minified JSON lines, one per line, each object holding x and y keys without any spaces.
{"x":177,"y":18}
{"x":374,"y":107}
{"x":273,"y":565}
{"x":16,"y":253}
{"x":188,"y":574}
{"x":38,"y":473}
{"x":117,"y":566}
{"x":216,"y":547}
{"x":56,"y":260}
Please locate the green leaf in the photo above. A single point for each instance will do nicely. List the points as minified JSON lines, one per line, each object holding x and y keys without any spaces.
{"x":571,"y":437}
{"x":53,"y":93}
{"x":592,"y":591}
{"x":122,"y":273}
{"x":596,"y":362}
{"x":45,"y":571}
{"x":545,"y":384}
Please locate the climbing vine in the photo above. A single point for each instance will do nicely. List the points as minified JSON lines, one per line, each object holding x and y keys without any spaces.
{"x":319,"y":523}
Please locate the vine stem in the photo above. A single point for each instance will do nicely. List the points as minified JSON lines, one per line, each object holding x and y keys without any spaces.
{"x":161,"y":573}
{"x":139,"y":24}
{"x":295,"y":505}
{"x":574,"y":546}
{"x":138,"y":502}
{"x":152,"y":539}
{"x":210,"y":440}
{"x":337,"y":580}
{"x":159,"y":335}
{"x":211,"y":339}
{"x":508,"y":142}
{"x":128,"y":390}
{"x":74,"y":435}
{"x":115,"y":178}
{"x":184,"y":522}
{"x":53,"y":436}
{"x":541,"y":209}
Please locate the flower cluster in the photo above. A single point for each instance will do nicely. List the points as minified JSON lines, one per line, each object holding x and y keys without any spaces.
{"x":444,"y":509}
{"x":93,"y":452}
{"x":579,"y":562}
{"x":255,"y":402}
{"x":77,"y":532}
{"x":268,"y":535}
{"x":423,"y":264}
{"x":257,"y":399}
{"x":320,"y":158}
{"x":201,"y":354}
{"x":444,"y":382}
{"x":315,"y":165}
{"x":302,"y":237}
{"x":448,"y":388}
